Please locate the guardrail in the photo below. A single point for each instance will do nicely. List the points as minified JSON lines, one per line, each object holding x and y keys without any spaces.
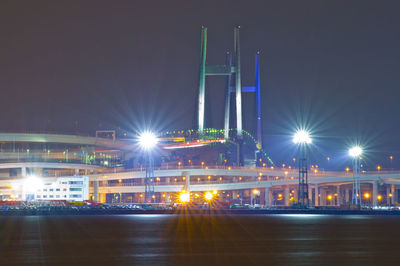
{"x":274,"y":173}
{"x":316,"y":172}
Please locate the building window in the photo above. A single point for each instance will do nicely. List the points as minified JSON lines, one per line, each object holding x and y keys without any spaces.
{"x":45,"y":190}
{"x":38,"y":196}
{"x":57,"y":189}
{"x":51,"y":189}
{"x":75,"y":189}
{"x":76,"y":182}
{"x":51,"y":196}
{"x":57,"y":196}
{"x":64,"y":189}
{"x":75,"y":196}
{"x":44,"y":196}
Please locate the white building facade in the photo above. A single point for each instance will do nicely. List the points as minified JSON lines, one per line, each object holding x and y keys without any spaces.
{"x":64,"y":188}
{"x":33,"y":188}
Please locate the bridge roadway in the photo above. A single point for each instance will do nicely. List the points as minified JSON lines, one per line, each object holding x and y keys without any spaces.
{"x":266,"y":180}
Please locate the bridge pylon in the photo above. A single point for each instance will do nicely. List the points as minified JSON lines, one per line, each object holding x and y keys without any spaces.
{"x":232,"y":71}
{"x":231,"y":68}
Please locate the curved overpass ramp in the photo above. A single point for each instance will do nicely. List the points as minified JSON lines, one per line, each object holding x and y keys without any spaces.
{"x":66,"y":139}
{"x":50,"y":165}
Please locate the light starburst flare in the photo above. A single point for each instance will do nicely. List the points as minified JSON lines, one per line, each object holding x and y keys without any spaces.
{"x":302,"y":137}
{"x":148,"y":140}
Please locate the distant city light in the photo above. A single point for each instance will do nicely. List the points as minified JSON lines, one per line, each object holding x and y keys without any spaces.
{"x":356,"y":151}
{"x":302,"y":137}
{"x":148,"y":140}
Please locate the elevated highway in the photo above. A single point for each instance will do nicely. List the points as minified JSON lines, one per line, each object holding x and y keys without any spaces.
{"x":267,"y":180}
{"x":66,"y":139}
{"x":49,"y":165}
{"x":270,"y":183}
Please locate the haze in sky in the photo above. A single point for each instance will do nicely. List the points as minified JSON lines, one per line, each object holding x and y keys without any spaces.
{"x":77,"y":66}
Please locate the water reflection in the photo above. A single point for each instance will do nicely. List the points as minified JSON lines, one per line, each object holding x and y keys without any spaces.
{"x":188,"y":238}
{"x":304,"y":216}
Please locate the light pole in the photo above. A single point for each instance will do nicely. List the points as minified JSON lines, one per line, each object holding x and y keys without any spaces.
{"x":355,"y":153}
{"x":302,"y":138}
{"x":148,"y":141}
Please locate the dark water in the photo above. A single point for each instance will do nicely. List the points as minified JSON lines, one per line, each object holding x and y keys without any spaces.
{"x":200,"y":240}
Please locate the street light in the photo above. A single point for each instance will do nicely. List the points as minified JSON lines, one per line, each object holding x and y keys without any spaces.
{"x":302,"y":138}
{"x":29,"y":186}
{"x":32,"y":183}
{"x":355,"y":152}
{"x":208,"y":196}
{"x":147,"y":141}
{"x":184,"y":197}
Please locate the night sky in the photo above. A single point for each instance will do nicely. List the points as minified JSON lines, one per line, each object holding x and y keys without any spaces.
{"x":331,"y":66}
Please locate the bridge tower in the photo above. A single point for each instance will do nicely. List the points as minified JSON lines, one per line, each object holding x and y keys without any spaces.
{"x":231,"y":69}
